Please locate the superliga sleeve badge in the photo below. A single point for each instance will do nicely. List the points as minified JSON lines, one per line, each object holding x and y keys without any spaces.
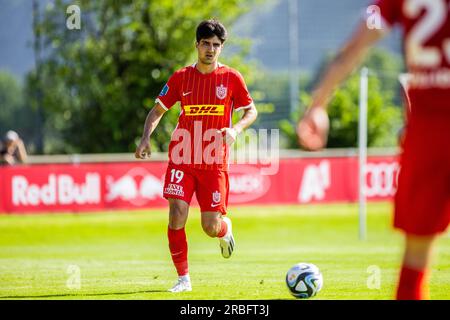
{"x":164,"y":90}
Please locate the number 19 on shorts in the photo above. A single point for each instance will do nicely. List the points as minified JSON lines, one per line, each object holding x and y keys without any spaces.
{"x":176,"y":174}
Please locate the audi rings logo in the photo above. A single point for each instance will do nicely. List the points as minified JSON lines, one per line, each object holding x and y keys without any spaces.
{"x":382,"y":179}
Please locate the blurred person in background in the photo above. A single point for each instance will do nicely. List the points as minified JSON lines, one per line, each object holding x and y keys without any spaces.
{"x":12,"y":149}
{"x":422,"y":201}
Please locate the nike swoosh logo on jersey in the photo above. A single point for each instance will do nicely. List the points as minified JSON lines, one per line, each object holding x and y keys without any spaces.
{"x":186,"y":93}
{"x":215,"y":205}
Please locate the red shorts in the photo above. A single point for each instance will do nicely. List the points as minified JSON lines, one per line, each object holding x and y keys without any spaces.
{"x":210,"y":186}
{"x":422,"y":201}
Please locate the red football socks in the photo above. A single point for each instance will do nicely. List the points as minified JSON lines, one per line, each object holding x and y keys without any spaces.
{"x":412,"y":285}
{"x":223,"y":229}
{"x":178,"y":250}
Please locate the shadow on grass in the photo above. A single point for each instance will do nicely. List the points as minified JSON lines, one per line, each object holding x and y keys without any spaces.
{"x":81,"y":294}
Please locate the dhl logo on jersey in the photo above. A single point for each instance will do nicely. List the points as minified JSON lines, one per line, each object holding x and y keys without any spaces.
{"x":204,"y":110}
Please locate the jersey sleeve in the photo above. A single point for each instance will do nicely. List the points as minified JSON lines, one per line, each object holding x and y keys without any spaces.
{"x":241,"y":96}
{"x":170,"y":93}
{"x":390,"y":10}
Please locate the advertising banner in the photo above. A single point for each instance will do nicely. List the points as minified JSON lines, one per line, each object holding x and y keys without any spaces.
{"x":133,"y":185}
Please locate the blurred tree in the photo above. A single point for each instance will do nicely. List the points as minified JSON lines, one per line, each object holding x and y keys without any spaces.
{"x":15,"y":113}
{"x":382,"y":63}
{"x":11,"y":100}
{"x":384,"y":106}
{"x":98,"y":83}
{"x":384,"y":118}
{"x":270,"y":91}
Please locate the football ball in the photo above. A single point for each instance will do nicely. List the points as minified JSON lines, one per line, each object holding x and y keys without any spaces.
{"x":304,"y":280}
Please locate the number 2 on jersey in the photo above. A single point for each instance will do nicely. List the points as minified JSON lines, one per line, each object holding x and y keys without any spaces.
{"x":176,"y":174}
{"x":431,"y":22}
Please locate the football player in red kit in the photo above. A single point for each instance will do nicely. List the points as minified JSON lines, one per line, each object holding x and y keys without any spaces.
{"x":422,"y":202}
{"x":209,"y":93}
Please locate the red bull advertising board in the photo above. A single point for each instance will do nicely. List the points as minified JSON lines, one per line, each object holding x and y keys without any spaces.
{"x":134,"y":185}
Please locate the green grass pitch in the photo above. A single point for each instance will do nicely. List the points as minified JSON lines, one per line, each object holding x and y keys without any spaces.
{"x":124,"y":255}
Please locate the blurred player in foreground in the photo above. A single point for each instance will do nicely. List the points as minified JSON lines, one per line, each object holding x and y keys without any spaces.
{"x":422,"y":202}
{"x":209,"y":92}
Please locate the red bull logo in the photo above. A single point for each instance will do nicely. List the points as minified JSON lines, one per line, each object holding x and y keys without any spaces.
{"x":60,"y":189}
{"x":137,"y":186}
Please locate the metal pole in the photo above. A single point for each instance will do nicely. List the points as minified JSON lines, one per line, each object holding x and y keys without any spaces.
{"x":362,"y":147}
{"x":293,"y":56}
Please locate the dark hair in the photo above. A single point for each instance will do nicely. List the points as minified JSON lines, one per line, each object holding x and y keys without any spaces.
{"x":210,"y":28}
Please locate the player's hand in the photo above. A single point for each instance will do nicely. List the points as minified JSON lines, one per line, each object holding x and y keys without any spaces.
{"x":143,"y":150}
{"x":229,"y":135}
{"x":312,"y":129}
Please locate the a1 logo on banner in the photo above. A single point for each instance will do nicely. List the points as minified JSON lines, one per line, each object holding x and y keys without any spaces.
{"x":315,"y":182}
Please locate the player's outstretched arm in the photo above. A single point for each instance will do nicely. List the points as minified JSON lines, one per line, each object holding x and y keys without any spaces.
{"x":143,"y":150}
{"x":313,"y":128}
{"x":250,"y":115}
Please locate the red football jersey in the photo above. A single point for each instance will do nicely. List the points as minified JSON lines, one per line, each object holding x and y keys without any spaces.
{"x":207,"y":105}
{"x":426,"y":36}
